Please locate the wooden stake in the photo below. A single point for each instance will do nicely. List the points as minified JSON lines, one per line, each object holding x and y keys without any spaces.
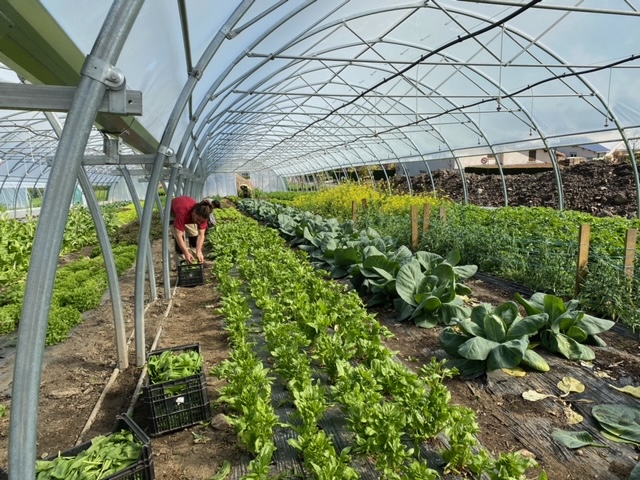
{"x":583,"y":255}
{"x":354,"y":211}
{"x":443,"y":213}
{"x":426,"y":217}
{"x":414,"y":227}
{"x":364,"y":205}
{"x":631,"y":243}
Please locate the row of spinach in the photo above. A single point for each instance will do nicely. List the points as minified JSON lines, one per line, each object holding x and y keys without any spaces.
{"x":429,"y":289}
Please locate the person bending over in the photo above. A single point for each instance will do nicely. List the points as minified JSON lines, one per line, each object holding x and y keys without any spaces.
{"x":186,"y":211}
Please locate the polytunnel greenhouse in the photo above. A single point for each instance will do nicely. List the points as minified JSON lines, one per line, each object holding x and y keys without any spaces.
{"x":413,"y":251}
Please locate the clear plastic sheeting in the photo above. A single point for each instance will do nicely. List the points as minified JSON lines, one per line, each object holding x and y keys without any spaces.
{"x":15,"y":194}
{"x":307,"y":86}
{"x":222,"y":184}
{"x":119,"y":192}
{"x":267,"y":182}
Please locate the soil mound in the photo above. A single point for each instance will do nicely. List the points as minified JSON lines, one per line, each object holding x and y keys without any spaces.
{"x":600,"y":187}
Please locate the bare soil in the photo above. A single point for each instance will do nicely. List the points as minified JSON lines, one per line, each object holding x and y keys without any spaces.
{"x":76,"y":376}
{"x":599,"y":187}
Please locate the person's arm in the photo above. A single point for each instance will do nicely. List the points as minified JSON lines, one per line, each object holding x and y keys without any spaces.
{"x":183,"y":246}
{"x":200,"y":244}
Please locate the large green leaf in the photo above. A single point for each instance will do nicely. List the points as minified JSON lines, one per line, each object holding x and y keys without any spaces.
{"x":370,"y":232}
{"x":554,"y":307}
{"x":409,"y":277}
{"x":532,"y":306}
{"x":313,"y":238}
{"x":426,"y":287}
{"x":596,"y":340}
{"x":507,"y":355}
{"x":453,"y":257}
{"x":537,"y":300}
{"x":574,"y":440}
{"x":577,"y":334}
{"x":564,"y":321}
{"x":427,"y":321}
{"x":478,"y":313}
{"x":508,"y":312}
{"x":428,"y":260}
{"x":566,"y":346}
{"x":328,"y":243}
{"x":477,"y":348}
{"x":450,"y":312}
{"x":444,"y":272}
{"x":429,"y":303}
{"x":424,"y":315}
{"x":404,"y":309}
{"x":470,"y":327}
{"x":381,"y":272}
{"x":533,"y":360}
{"x":494,"y":329}
{"x":594,"y":325}
{"x":526,"y":326}
{"x":620,"y":420}
{"x":401,"y":255}
{"x":347,"y":256}
{"x":462,"y":289}
{"x":465,"y":271}
{"x":451,"y":341}
{"x":339,"y":272}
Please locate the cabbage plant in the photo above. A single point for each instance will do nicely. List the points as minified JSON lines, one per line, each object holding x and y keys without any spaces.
{"x":430,"y":289}
{"x":493,"y":338}
{"x":567,"y":327}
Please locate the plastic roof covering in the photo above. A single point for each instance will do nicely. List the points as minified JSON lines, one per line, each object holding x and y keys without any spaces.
{"x":303,"y":86}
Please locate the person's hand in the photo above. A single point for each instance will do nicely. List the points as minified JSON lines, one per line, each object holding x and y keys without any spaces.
{"x":188,"y":257}
{"x":200,"y":257}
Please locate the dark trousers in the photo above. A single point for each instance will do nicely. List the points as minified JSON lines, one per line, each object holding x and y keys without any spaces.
{"x":192,"y":241}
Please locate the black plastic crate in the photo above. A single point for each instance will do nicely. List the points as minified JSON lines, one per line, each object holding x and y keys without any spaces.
{"x":176,"y":404}
{"x":190,"y":274}
{"x":141,"y":470}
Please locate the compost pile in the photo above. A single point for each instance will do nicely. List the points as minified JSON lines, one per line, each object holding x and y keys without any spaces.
{"x":602,"y":188}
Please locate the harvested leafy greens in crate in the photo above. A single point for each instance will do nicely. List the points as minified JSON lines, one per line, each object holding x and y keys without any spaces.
{"x":175,"y":392}
{"x":124,"y":454}
{"x":190,"y":274}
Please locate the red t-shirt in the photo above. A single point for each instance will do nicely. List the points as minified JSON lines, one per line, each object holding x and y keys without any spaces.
{"x":181,"y":208}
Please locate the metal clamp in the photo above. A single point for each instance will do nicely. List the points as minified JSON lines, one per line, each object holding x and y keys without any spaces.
{"x":104,"y":72}
{"x":166,"y":151}
{"x":112,"y":77}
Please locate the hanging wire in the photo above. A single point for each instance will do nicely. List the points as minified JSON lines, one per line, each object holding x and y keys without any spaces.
{"x":479,"y":124}
{"x":531,"y":110}
{"x":417,"y":67}
{"x":375,"y":116}
{"x":606,"y":117}
{"x":499,"y":107}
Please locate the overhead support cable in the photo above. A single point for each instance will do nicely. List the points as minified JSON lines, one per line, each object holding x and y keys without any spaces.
{"x":564,"y":8}
{"x":367,"y":61}
{"x":460,"y":39}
